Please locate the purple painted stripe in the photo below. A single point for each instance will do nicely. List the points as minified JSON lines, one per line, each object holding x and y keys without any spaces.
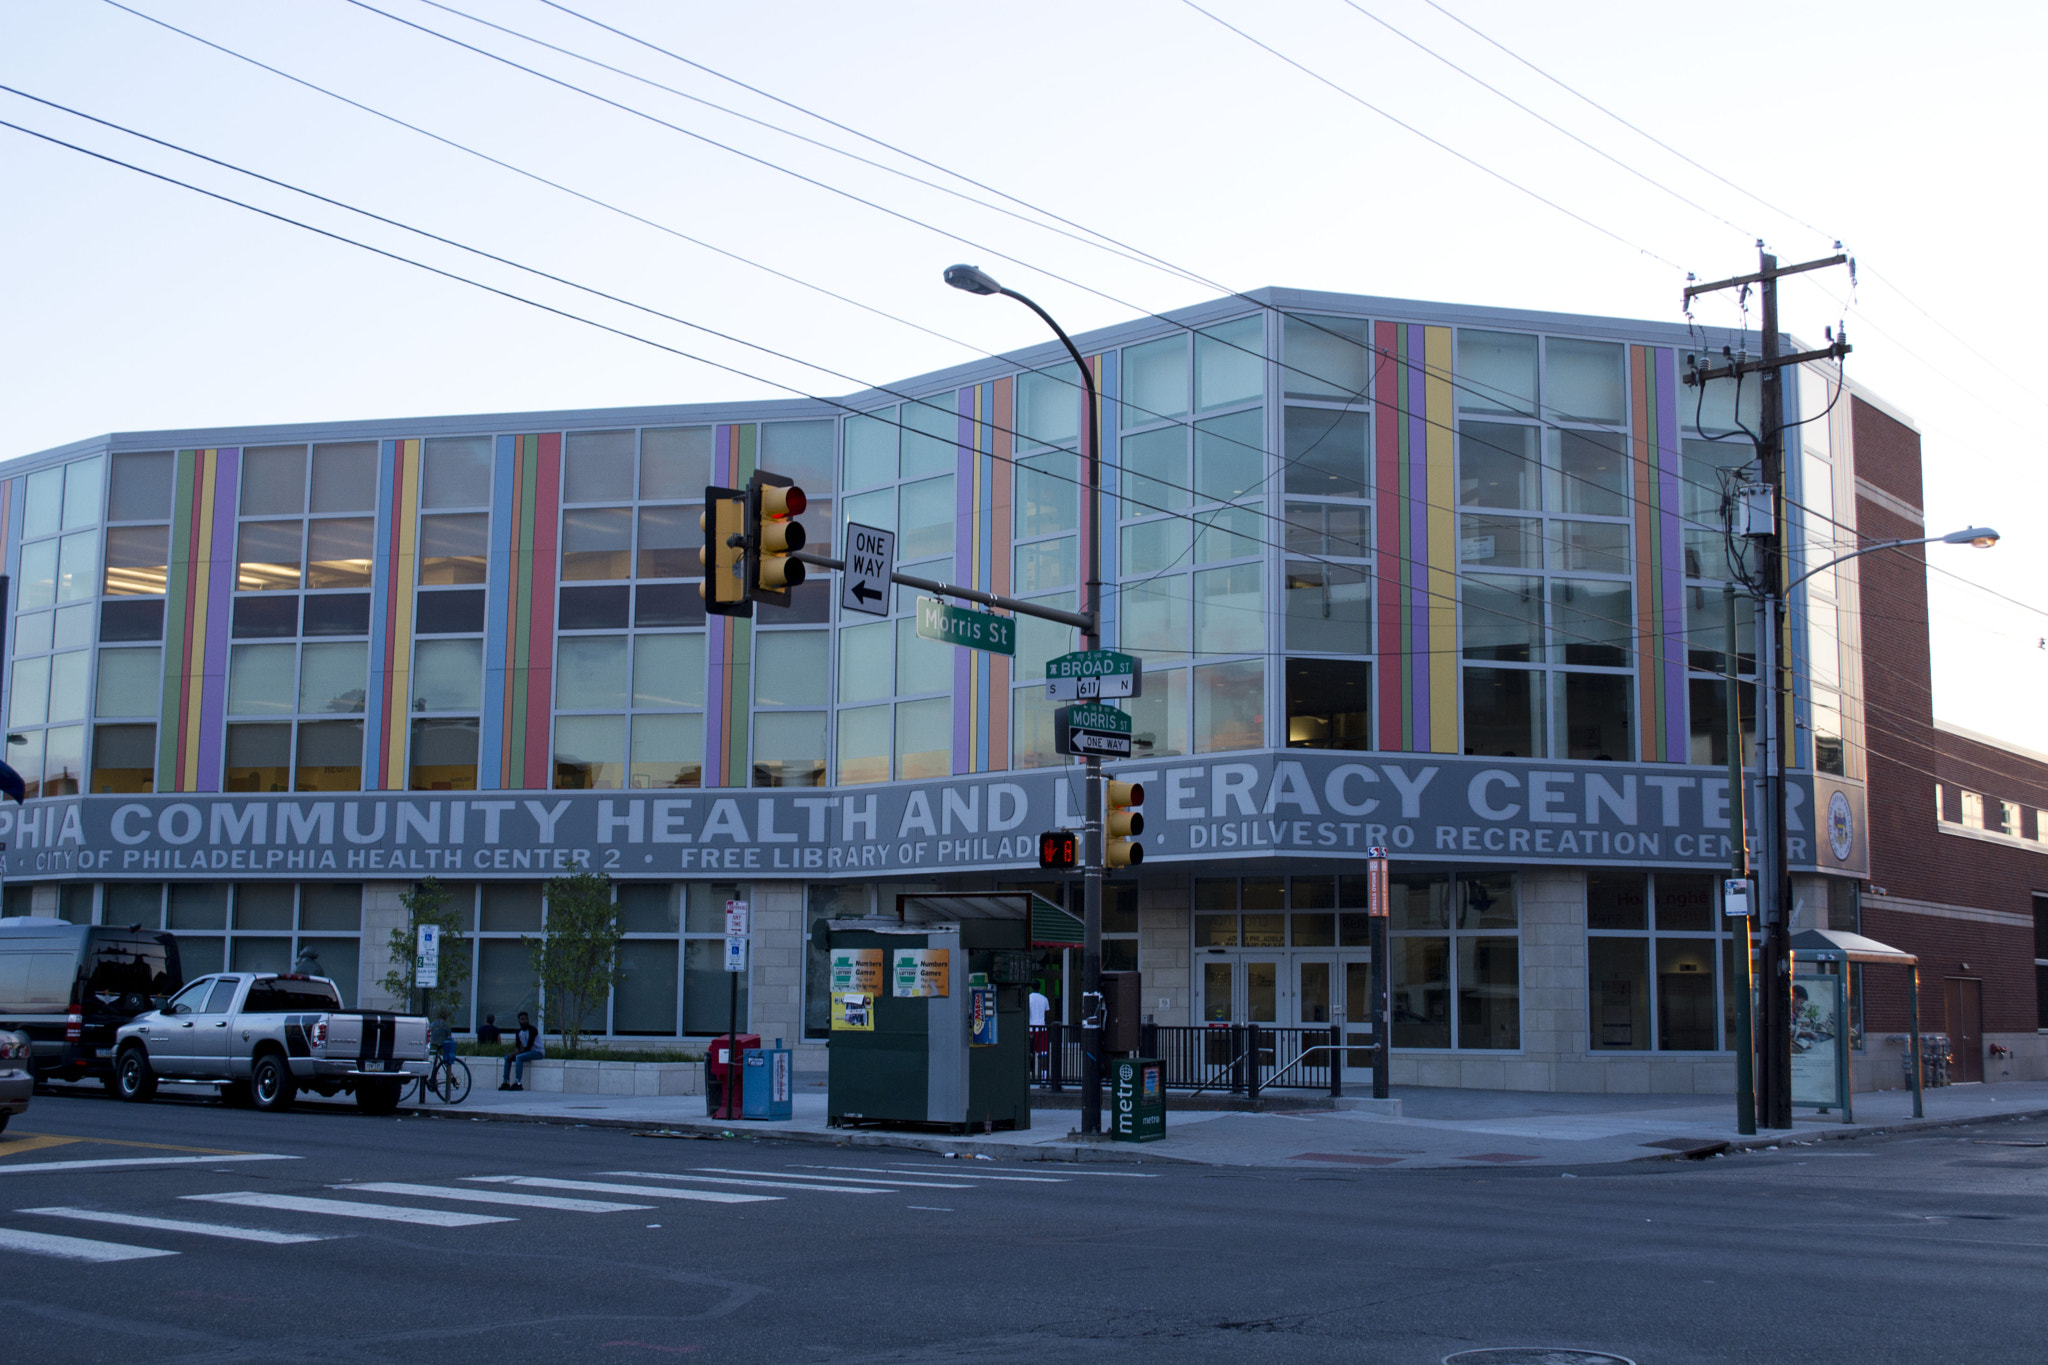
{"x":1417,"y":567}
{"x":716,"y":700}
{"x":219,"y":603}
{"x":963,"y":573}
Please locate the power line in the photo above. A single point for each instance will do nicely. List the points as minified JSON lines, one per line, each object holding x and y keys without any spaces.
{"x":1441,"y":146}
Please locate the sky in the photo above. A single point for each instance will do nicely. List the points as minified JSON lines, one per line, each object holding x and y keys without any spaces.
{"x":1454,"y":151}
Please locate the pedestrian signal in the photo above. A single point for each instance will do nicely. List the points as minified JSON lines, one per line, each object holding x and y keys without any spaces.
{"x":1059,"y":848}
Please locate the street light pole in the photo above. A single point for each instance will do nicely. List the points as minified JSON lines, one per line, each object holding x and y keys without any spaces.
{"x":974,"y":281}
{"x":1775,"y":1069}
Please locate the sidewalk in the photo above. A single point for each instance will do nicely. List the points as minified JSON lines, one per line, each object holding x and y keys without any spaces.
{"x":1435,"y":1128}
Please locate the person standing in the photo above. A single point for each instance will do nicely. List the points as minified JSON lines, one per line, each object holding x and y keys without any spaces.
{"x":1040,"y":1038}
{"x":488,"y":1031}
{"x":525,"y":1048}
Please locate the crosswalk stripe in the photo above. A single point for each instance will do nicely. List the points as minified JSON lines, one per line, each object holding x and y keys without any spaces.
{"x":762,"y":1184}
{"x":531,"y":1201}
{"x":894,"y":1182}
{"x":104,"y":1163}
{"x":644,"y":1191}
{"x":73,"y":1248}
{"x":952,"y":1168}
{"x":964,"y":1175}
{"x":136,"y":1220}
{"x":343,"y":1208}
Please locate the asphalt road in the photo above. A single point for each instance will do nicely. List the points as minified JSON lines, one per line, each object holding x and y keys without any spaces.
{"x":441,"y":1240}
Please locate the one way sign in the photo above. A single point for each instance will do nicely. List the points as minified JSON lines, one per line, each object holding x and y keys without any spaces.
{"x":870,"y":560}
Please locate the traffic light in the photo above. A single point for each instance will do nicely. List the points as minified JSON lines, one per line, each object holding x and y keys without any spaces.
{"x":1059,"y":849}
{"x":1121,"y":824}
{"x":773,"y":534}
{"x":724,"y":524}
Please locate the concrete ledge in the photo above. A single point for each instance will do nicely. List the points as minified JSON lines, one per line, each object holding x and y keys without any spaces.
{"x":551,"y":1077}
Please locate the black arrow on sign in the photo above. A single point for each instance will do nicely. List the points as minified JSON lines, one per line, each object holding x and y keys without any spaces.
{"x":863,"y":593}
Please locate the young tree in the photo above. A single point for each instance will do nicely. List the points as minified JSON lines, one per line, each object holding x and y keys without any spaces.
{"x":577,"y":956}
{"x":428,"y":902}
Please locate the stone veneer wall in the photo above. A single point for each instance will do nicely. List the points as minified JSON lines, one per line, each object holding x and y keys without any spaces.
{"x":382,"y":913}
{"x":1165,"y":933}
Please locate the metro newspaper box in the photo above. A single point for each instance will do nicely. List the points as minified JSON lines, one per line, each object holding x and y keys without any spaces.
{"x":718,"y":1071}
{"x":1137,"y":1099}
{"x":767,"y":1083}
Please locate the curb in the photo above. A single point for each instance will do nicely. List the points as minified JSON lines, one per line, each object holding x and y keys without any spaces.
{"x":1795,"y":1137}
{"x":1105,"y":1152}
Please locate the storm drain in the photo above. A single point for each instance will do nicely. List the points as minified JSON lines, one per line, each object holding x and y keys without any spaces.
{"x":1535,"y":1355}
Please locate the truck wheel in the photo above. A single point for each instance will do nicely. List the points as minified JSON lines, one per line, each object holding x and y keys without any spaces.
{"x":134,"y":1081}
{"x":271,"y":1085}
{"x":379,"y":1097}
{"x":235,"y":1094}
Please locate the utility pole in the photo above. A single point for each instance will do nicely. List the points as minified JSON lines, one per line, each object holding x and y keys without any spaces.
{"x":1774,"y":995}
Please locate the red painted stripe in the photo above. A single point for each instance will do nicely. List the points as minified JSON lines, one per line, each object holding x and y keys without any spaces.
{"x":540,"y":690}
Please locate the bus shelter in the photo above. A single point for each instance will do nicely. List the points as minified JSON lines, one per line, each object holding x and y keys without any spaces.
{"x":1834,"y":951}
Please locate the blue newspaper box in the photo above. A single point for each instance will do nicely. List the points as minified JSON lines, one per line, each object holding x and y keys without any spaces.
{"x":767,"y":1083}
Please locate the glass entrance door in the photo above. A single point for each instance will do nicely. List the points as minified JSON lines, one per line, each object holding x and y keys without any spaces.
{"x":1358,"y":1012}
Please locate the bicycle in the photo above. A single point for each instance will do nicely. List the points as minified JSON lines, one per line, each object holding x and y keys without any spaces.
{"x":448,"y":1081}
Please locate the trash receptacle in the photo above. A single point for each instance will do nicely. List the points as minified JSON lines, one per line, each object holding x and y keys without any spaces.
{"x":766,"y":1083}
{"x":1137,"y":1099}
{"x":721,"y":1073}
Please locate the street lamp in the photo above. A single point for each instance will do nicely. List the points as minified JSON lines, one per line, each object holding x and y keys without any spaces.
{"x":972,"y":280}
{"x":1777,"y":933}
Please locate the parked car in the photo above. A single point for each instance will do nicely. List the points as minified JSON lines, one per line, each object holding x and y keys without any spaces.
{"x":265,"y":1036}
{"x":69,"y":987}
{"x":17,"y":1082}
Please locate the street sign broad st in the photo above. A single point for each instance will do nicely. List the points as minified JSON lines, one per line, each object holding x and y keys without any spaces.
{"x":973,"y":629}
{"x":1091,"y":673}
{"x":1091,"y":732}
{"x":870,"y":559}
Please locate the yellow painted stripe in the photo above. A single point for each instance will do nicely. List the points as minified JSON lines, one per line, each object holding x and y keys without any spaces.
{"x":398,"y":723}
{"x":1443,"y":545}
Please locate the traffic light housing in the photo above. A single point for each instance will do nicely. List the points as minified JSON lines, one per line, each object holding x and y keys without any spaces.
{"x":724,"y":523}
{"x":1121,"y":824}
{"x":773,"y":535}
{"x":1059,"y":849}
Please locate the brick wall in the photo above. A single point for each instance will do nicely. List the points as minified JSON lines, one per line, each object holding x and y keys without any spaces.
{"x":1911,"y":859}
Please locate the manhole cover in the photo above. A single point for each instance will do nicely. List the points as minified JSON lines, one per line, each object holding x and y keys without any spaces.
{"x":1536,"y":1355}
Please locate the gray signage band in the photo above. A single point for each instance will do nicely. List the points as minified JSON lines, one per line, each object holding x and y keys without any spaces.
{"x":1293,"y":804}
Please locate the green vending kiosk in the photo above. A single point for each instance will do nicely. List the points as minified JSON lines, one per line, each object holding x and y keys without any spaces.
{"x":930,"y":1017}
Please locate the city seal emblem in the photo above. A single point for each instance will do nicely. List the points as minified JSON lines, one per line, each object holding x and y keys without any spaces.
{"x":1841,"y":827}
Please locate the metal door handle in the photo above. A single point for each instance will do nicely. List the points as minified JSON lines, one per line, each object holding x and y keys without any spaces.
{"x":187,"y":1024}
{"x":222,"y":1024}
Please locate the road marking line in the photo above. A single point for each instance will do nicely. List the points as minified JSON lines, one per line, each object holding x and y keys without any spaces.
{"x":644,"y":1191}
{"x":894,"y":1182}
{"x":977,"y":1175}
{"x":927,"y":1208}
{"x":110,"y":1162}
{"x":135,"y":1220}
{"x":152,"y":1146}
{"x":73,"y":1248}
{"x":342,"y":1208}
{"x":950,"y":1168}
{"x":878,"y":1173}
{"x":25,"y":1143}
{"x":763,"y":1184}
{"x":531,"y":1201}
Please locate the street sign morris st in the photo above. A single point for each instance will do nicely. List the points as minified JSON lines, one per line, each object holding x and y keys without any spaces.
{"x":1085,"y":731}
{"x":957,"y":626}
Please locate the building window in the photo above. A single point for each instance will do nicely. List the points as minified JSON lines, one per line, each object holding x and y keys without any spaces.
{"x":1546,"y":596}
{"x":1972,"y":810}
{"x":1655,"y":962}
{"x":2041,"y":961}
{"x":58,"y":576}
{"x":1193,"y":479}
{"x":295,"y":716}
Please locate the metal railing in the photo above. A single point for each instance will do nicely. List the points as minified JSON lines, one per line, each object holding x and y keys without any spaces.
{"x":1233,"y":1059}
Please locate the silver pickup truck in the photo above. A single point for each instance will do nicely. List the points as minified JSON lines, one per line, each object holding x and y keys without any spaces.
{"x":264,"y":1037}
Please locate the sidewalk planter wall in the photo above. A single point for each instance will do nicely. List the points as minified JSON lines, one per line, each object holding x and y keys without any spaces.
{"x":550,"y":1077}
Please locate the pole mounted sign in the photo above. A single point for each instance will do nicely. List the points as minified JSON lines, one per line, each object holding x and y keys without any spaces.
{"x":1376,"y":884}
{"x":1091,"y":732}
{"x":735,"y":936}
{"x":958,"y":626}
{"x":427,"y":966}
{"x":1091,"y":673}
{"x":870,"y":560}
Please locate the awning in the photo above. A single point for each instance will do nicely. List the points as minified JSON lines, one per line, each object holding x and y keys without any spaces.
{"x":1839,"y":945}
{"x":1051,"y":927}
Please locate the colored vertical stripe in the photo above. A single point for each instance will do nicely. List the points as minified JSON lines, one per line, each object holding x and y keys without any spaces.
{"x":1660,"y":555}
{"x":540,"y":531}
{"x":1001,"y":423}
{"x":197,"y":594}
{"x":213,"y":692}
{"x":395,"y":678}
{"x":962,"y":730}
{"x":492,"y":770}
{"x":735,"y":457}
{"x":1416,"y":574}
{"x":1442,"y":670}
